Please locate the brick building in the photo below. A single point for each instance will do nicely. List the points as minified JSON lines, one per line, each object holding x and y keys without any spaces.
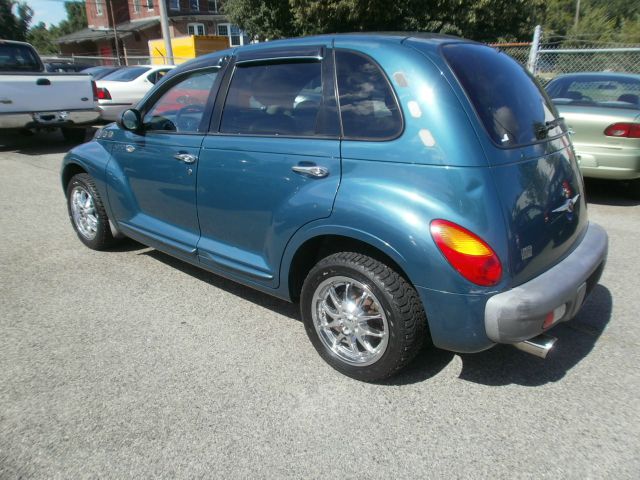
{"x":138,"y":21}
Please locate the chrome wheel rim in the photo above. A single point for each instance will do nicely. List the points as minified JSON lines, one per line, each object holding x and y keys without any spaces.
{"x":83,"y":211}
{"x":350,"y":321}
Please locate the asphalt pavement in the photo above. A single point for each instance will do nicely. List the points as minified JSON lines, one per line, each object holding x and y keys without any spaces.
{"x":130,"y":364}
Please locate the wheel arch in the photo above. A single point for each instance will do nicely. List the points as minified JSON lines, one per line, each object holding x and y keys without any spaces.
{"x":69,"y":170}
{"x":308,"y":251}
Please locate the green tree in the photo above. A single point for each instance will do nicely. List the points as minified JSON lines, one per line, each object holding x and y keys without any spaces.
{"x":76,"y":18}
{"x":263,"y":19}
{"x":476,"y":19}
{"x":15,"y":18}
{"x":42,"y":39}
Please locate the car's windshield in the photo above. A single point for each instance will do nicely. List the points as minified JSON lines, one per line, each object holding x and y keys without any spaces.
{"x":596,"y":91}
{"x":513,"y":108}
{"x":16,"y":57}
{"x":126,"y":74}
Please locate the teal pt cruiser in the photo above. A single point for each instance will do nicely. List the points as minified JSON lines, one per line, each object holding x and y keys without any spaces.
{"x":403,"y":188}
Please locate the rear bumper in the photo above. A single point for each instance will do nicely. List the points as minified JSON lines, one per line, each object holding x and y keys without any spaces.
{"x":613,"y":164}
{"x":62,"y":118}
{"x":518,"y":314}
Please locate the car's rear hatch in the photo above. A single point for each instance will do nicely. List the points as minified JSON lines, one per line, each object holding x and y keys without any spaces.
{"x":529,"y":153}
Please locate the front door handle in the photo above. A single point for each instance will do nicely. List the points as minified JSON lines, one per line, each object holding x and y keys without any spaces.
{"x":185,"y":157}
{"x":311,"y":170}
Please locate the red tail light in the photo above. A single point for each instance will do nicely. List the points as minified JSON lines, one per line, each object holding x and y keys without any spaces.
{"x":467,"y":253}
{"x":103,"y":94}
{"x":95,"y":91}
{"x":626,"y":130}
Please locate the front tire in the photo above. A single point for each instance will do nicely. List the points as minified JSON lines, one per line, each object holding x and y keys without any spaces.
{"x":363,"y":318}
{"x":87,"y":213}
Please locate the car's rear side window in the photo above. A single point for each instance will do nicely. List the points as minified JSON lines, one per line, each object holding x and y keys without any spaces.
{"x":275,"y":99}
{"x":368,"y":105}
{"x":513,"y":108}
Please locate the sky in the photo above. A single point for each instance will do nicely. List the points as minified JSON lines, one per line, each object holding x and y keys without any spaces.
{"x":47,"y":11}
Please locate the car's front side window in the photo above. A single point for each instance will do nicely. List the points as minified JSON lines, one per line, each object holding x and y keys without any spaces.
{"x":274,"y":99}
{"x":180,"y":109}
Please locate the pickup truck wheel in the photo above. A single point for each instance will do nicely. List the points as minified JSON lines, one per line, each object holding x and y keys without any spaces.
{"x":363,"y":318}
{"x":74,"y":135}
{"x":87,"y":213}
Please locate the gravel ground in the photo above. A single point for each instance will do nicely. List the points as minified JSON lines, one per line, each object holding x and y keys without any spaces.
{"x":130,"y":364}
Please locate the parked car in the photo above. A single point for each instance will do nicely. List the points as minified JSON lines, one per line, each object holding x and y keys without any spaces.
{"x":604,"y":111}
{"x":32,"y":98}
{"x":430,"y":193}
{"x":64,"y":67}
{"x":125,"y":87}
{"x":99,"y":72}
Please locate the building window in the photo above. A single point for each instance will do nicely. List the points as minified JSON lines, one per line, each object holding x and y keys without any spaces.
{"x":149,"y":4}
{"x":213,"y":6}
{"x":174,"y":4}
{"x":136,"y":6}
{"x":233,"y":32}
{"x":196,"y":29}
{"x":194,"y":5}
{"x":99,"y":10}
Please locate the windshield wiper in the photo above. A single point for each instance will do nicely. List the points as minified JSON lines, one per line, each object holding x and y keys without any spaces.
{"x":543,"y":130}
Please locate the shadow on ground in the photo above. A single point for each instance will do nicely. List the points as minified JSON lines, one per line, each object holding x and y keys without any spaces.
{"x":611,"y":192}
{"x":501,"y":365}
{"x":262,"y":299}
{"x":504,"y":365}
{"x":36,"y":143}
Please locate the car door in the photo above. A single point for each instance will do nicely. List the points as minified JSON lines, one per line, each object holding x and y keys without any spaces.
{"x":271,"y":162}
{"x":152,"y":174}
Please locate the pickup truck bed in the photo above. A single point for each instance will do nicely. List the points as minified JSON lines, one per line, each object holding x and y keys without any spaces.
{"x":31,"y":99}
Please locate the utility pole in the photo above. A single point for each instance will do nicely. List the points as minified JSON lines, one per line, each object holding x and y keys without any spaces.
{"x":533,"y":53}
{"x":575,"y":21}
{"x":164,"y":24}
{"x":115,"y":32}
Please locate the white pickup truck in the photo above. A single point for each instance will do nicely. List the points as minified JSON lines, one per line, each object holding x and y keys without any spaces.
{"x":32,"y":98}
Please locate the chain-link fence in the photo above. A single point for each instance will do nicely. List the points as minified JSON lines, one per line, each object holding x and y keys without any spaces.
{"x":553,"y":59}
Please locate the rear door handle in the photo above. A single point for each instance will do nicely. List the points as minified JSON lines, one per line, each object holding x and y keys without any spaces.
{"x":185,"y":157}
{"x":311,"y":170}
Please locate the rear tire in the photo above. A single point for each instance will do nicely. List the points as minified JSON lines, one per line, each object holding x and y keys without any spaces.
{"x":87,"y":213}
{"x":363,"y":318}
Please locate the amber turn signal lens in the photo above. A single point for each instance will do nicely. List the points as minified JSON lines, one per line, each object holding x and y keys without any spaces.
{"x":471,"y":256}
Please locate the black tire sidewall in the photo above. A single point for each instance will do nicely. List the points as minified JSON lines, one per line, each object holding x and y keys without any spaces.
{"x":395,"y":346}
{"x":103,"y":232}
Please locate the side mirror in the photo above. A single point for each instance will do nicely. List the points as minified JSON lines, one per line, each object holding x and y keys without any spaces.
{"x":131,"y":120}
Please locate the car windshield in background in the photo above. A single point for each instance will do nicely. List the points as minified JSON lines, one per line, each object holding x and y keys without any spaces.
{"x":126,"y":74}
{"x":596,"y":91}
{"x":21,"y":58}
{"x":513,"y":108}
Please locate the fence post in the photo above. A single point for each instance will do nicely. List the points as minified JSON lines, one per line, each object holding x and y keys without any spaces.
{"x":533,"y":53}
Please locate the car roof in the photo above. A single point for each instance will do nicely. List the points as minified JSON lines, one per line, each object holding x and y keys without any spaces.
{"x":373,"y":37}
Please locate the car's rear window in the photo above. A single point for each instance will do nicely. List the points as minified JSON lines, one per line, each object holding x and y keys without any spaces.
{"x":514,"y":110}
{"x":596,"y":90}
{"x":126,"y":74}
{"x":15,"y":57}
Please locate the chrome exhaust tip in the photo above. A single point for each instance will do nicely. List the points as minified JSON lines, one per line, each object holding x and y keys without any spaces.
{"x":538,"y":346}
